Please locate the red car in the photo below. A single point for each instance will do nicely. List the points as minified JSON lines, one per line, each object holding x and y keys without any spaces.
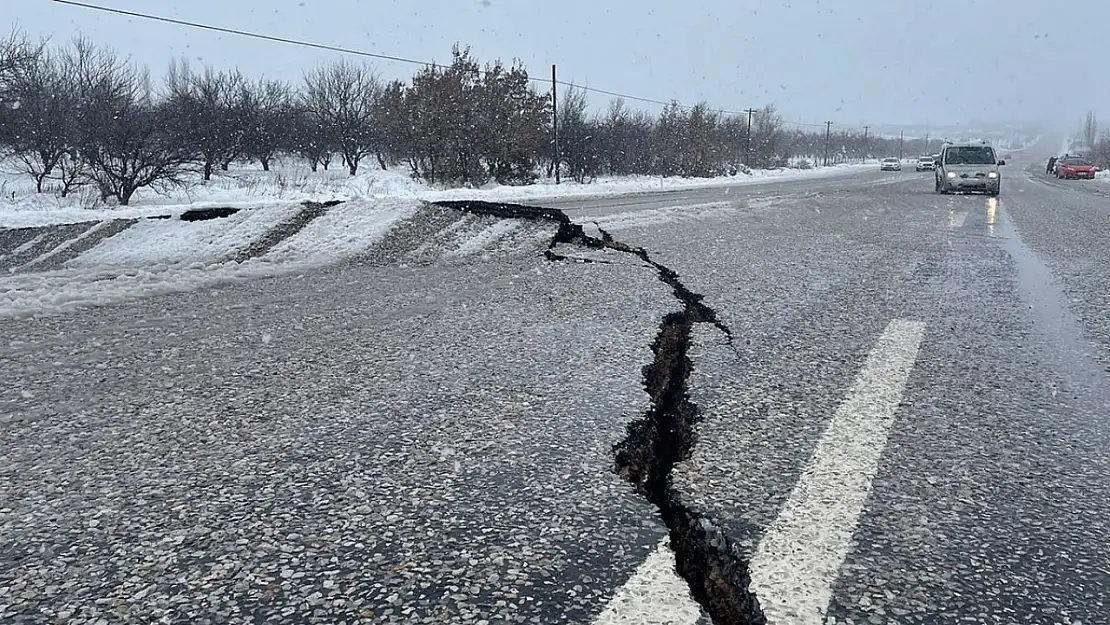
{"x":1075,"y":167}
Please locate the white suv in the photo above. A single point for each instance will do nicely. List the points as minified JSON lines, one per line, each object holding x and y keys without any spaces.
{"x":968,"y":167}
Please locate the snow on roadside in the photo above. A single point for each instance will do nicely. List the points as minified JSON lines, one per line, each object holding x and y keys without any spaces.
{"x":619,"y":185}
{"x":347,"y":229}
{"x":153,"y":242}
{"x":247,"y":188}
{"x":59,"y":291}
{"x":639,"y":219}
{"x":243,"y":187}
{"x":484,"y":239}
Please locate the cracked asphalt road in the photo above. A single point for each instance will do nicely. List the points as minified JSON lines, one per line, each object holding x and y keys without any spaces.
{"x":433,"y":442}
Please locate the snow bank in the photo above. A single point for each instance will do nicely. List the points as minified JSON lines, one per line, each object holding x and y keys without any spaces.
{"x":173,"y":242}
{"x":324,"y":241}
{"x":346,"y":230}
{"x":248,"y":187}
{"x":159,"y":256}
{"x":484,"y":239}
{"x":620,"y":185}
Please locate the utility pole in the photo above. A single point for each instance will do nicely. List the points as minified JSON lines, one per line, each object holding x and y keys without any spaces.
{"x":555,"y":121}
{"x":828,"y":131}
{"x":865,"y":146}
{"x":901,"y":138}
{"x":748,"y":150}
{"x":926,"y":143}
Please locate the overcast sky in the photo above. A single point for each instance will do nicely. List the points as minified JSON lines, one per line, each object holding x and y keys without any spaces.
{"x":849,"y":61}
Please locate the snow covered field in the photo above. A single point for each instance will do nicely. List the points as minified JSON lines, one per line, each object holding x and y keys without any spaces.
{"x":250,"y":187}
{"x":166,"y":255}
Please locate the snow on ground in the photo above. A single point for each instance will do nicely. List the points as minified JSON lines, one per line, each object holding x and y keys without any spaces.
{"x":346,"y":230}
{"x":324,"y":241}
{"x":619,"y":185}
{"x":484,"y":239}
{"x":157,"y":256}
{"x":250,"y":187}
{"x":245,"y":187}
{"x":694,"y":212}
{"x":153,"y":242}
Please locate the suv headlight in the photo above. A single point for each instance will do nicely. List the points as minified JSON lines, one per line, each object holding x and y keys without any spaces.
{"x":993,"y":174}
{"x":951,"y":174}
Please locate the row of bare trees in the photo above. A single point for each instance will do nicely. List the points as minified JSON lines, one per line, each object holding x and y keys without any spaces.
{"x":82,"y":116}
{"x":1095,"y":145}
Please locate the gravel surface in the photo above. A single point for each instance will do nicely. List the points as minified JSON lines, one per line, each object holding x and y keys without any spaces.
{"x":424,"y":434}
{"x":366,"y":444}
{"x":990,"y":500}
{"x":23,"y":245}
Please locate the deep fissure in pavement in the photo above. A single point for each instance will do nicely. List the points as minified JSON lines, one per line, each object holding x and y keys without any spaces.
{"x":713,"y":568}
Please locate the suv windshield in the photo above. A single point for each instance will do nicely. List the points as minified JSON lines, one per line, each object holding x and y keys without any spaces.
{"x":972,"y":155}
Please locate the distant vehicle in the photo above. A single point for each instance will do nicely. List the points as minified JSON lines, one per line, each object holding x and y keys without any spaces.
{"x":1075,"y":167}
{"x":890,"y":164}
{"x":968,"y":167}
{"x":926,"y":163}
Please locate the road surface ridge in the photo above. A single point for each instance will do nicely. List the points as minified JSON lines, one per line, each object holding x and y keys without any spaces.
{"x":717,"y":576}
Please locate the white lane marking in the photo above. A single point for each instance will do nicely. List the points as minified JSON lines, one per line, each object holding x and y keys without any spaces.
{"x":654,"y":595}
{"x":956,"y":220}
{"x":799,"y":557}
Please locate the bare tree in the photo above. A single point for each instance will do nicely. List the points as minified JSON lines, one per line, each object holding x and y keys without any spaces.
{"x":766,"y":133}
{"x":1089,"y":132}
{"x":206,"y":113}
{"x":310,"y":139}
{"x":578,"y":137}
{"x":394,"y":124}
{"x":16,"y":53}
{"x":443,"y":103}
{"x":343,"y":97}
{"x":125,"y":138}
{"x":268,"y":113}
{"x":512,"y":123}
{"x":42,"y":122}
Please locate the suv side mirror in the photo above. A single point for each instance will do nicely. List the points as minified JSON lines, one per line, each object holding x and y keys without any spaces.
{"x":1001,"y":163}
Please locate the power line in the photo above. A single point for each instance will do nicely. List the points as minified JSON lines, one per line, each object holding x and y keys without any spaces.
{"x":243,"y":33}
{"x":384,"y":57}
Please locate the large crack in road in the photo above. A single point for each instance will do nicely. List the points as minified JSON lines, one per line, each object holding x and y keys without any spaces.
{"x":712,"y":566}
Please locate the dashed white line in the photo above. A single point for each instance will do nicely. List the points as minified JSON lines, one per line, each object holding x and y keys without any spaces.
{"x":654,"y":595}
{"x":800,"y":555}
{"x":956,"y":219}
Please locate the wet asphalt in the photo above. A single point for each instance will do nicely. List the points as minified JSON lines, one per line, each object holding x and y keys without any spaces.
{"x":429,"y":440}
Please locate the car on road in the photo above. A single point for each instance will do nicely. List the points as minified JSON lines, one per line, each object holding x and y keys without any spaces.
{"x":1075,"y":167}
{"x":926,"y":163}
{"x":971,"y":166}
{"x":890,"y":164}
